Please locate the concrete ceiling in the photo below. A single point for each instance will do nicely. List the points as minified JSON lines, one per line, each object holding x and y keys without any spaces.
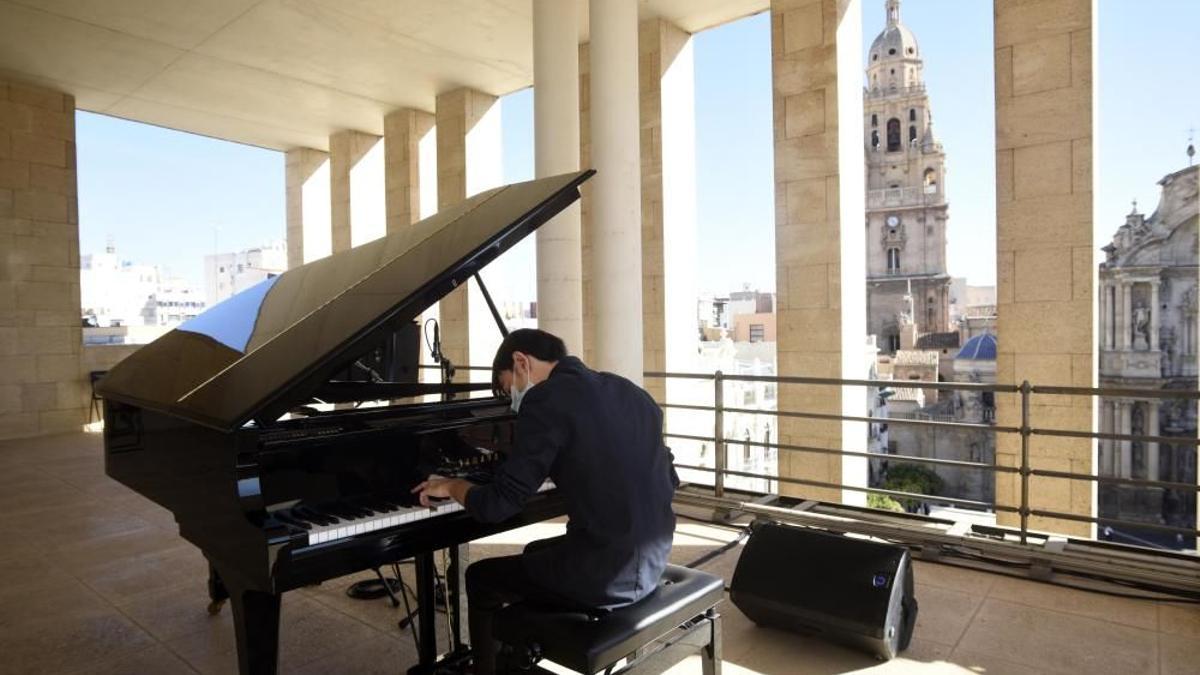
{"x":285,"y":73}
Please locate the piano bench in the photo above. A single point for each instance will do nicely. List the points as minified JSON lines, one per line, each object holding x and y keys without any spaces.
{"x":683,"y":607}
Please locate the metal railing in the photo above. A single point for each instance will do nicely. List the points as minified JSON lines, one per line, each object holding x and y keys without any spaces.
{"x":1025,"y":471}
{"x":990,"y":548}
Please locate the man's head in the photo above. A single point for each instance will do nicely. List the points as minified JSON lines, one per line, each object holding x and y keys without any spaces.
{"x":525,"y":358}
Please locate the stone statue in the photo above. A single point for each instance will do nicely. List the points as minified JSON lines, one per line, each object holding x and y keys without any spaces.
{"x":1141,"y":326}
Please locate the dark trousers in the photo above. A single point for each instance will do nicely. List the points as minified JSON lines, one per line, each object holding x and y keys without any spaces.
{"x":493,"y":583}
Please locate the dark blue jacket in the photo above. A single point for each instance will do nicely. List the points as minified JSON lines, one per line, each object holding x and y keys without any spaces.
{"x":598,"y":436}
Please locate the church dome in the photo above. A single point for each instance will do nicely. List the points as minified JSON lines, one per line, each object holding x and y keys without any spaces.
{"x":896,"y":41}
{"x":979,"y":348}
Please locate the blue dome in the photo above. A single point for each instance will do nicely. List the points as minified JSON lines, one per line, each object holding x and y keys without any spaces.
{"x":979,"y":348}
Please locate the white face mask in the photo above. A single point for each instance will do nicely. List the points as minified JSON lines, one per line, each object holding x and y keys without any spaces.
{"x":515,"y":393}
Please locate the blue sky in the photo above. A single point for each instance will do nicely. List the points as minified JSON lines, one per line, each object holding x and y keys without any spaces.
{"x":163,"y":195}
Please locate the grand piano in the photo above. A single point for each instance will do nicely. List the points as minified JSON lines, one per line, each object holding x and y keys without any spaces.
{"x":285,"y":426}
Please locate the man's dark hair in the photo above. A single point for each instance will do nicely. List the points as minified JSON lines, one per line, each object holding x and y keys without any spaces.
{"x":536,"y":343}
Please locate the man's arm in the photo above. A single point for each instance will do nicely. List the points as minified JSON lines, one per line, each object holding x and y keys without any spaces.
{"x":542,"y":430}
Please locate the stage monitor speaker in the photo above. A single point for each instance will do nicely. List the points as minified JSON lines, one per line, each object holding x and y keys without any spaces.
{"x":854,"y":591}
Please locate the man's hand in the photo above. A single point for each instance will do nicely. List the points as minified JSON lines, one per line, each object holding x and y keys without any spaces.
{"x":443,"y":488}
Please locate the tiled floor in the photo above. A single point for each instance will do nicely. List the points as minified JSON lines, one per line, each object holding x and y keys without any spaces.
{"x":93,"y":579}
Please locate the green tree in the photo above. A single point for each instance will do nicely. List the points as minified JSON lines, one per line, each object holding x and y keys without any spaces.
{"x":912,"y":478}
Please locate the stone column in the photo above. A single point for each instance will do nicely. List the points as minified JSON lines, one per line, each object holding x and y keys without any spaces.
{"x":1155,"y":318}
{"x":42,"y":388}
{"x":308,"y":211}
{"x":820,"y":267}
{"x":1105,"y":316}
{"x":403,"y":131}
{"x":1126,"y":315}
{"x":1125,"y":412}
{"x":1046,"y":271}
{"x":616,"y":218}
{"x":1152,"y":430}
{"x":668,"y":204}
{"x":346,"y":149}
{"x":556,"y":150}
{"x":468,"y":161}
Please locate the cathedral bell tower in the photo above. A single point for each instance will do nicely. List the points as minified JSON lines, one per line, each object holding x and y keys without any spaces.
{"x":906,"y":199}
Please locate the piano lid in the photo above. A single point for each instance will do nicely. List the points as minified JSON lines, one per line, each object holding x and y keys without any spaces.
{"x":265,"y":350}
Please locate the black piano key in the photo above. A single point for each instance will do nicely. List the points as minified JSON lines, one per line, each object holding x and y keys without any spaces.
{"x":287,"y":518}
{"x":314,"y":516}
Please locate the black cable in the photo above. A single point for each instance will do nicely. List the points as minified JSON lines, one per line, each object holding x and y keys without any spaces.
{"x":719,"y":551}
{"x":714,"y":523}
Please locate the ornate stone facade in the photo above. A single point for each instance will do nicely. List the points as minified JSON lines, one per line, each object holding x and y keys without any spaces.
{"x":906,"y":198}
{"x":1148,"y":287}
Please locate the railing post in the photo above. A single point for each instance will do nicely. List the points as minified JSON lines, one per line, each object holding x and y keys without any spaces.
{"x":719,"y":434}
{"x":1025,"y":433}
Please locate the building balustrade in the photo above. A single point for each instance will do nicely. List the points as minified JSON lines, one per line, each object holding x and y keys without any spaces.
{"x":902,"y":197}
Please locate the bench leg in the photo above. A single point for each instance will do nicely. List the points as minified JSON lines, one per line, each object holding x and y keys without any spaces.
{"x":711,"y":657}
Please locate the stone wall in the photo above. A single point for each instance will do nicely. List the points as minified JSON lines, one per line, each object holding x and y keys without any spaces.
{"x":1045,"y":268}
{"x":40,"y":328}
{"x":819,"y":187}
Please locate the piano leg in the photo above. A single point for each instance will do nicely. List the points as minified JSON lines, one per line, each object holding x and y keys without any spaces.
{"x":426,"y":609}
{"x":456,"y":581}
{"x":256,"y":623}
{"x":217,"y":594}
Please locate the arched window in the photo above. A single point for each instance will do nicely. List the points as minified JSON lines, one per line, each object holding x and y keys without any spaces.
{"x":930,"y":180}
{"x":893,"y":260}
{"x":912,"y":114}
{"x":912,"y":134}
{"x":893,"y":135}
{"x":874,"y":120}
{"x":875,"y":139}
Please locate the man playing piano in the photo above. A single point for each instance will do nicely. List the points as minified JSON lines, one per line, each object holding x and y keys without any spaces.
{"x":598,"y":436}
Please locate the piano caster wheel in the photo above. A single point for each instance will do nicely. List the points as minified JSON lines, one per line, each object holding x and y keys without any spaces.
{"x":214,"y":607}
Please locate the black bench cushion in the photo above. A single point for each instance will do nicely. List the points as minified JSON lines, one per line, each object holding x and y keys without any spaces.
{"x":586,"y":644}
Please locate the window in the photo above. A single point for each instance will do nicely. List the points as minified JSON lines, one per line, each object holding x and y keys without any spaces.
{"x":912,"y":114}
{"x":874,"y":120}
{"x":893,"y":135}
{"x":875,"y":139}
{"x":912,"y":134}
{"x":892,"y":52}
{"x":930,"y":180}
{"x":893,"y":260}
{"x":893,"y":342}
{"x":757,"y":333}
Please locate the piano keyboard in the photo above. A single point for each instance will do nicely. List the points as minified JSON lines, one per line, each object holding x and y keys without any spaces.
{"x":342,"y":521}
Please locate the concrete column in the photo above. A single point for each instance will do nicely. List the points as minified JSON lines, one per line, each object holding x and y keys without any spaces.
{"x":42,"y":387}
{"x":1152,"y":430}
{"x":348,"y":153}
{"x":403,"y":132}
{"x":1045,"y":253}
{"x":468,"y":161}
{"x":585,"y":206}
{"x":1126,"y":315}
{"x":816,"y":54}
{"x":1154,"y":314}
{"x":556,"y":150}
{"x":616,"y":226}
{"x":308,"y":211}
{"x":1125,"y":410}
{"x":668,"y":204}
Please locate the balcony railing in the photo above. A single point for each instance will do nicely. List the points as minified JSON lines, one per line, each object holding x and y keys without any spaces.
{"x":1041,"y":555}
{"x":1164,"y":570}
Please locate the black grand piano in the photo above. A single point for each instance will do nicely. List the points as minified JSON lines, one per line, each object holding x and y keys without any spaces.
{"x":285,"y":426}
